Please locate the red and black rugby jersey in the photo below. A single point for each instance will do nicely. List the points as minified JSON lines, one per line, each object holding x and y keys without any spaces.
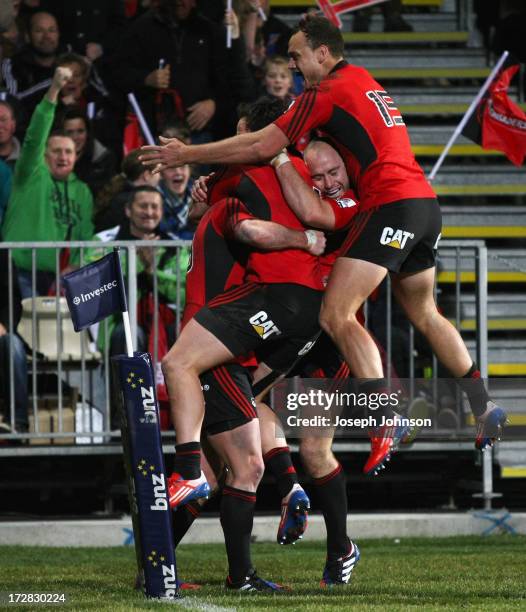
{"x":360,"y":118}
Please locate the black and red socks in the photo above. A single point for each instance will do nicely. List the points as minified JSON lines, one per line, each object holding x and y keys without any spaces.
{"x":187,"y":461}
{"x":331,"y":495}
{"x":237,"y":519}
{"x":279,"y":462}
{"x":473,"y":385}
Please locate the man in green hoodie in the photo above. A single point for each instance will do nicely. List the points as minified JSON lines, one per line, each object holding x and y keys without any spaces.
{"x":48,"y":202}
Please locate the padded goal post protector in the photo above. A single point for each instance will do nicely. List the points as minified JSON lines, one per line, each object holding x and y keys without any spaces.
{"x":145,"y":473}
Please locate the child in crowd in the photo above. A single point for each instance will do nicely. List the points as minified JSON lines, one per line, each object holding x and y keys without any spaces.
{"x":277,"y":78}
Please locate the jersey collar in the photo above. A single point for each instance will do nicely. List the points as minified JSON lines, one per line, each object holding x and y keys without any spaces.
{"x":341,"y":64}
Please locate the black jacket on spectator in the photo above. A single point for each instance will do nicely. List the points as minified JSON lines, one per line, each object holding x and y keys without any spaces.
{"x":4,"y":293}
{"x":242,"y":83}
{"x":96,"y":166}
{"x":196,"y":51}
{"x":215,"y":11}
{"x":84,"y":21}
{"x":113,"y":214}
{"x":27,"y":81}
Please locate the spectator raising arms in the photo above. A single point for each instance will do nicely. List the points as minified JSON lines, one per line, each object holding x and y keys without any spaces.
{"x":48,"y":202}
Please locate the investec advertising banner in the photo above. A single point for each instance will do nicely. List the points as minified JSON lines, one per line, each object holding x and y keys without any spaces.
{"x":141,"y":438}
{"x":95,"y":291}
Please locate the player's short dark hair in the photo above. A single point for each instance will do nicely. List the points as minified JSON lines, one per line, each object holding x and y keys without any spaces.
{"x":320,"y":31}
{"x":264,"y":111}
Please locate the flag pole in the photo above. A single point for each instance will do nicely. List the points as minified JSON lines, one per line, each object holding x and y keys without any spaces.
{"x":467,"y":115}
{"x":142,"y":121}
{"x":229,"y":27}
{"x":124,"y":303}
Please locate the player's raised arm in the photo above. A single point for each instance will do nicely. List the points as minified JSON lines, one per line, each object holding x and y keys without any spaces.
{"x":254,"y":147}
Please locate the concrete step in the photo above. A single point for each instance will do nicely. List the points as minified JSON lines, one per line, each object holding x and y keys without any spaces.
{"x":438,"y":102}
{"x":504,"y":266}
{"x":482,"y":190}
{"x":452,"y":37}
{"x":472,"y":181}
{"x":484,"y":222}
{"x":418,"y":71}
{"x":433,"y":58}
{"x":505,"y":357}
{"x":430,"y":140}
{"x":506,"y":312}
{"x":463,"y":149}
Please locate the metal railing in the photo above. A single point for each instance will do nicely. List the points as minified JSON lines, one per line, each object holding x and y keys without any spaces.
{"x":87,"y":368}
{"x":84,"y":368}
{"x":88,"y":371}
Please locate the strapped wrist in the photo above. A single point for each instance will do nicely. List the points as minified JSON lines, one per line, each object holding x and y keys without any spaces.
{"x":279,"y":160}
{"x":311,"y":237}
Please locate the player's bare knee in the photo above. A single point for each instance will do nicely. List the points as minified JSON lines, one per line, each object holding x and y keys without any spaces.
{"x":257,"y":469}
{"x":336,"y":324}
{"x":424,"y":318}
{"x":329,"y":320}
{"x":169,"y":366}
{"x":248,"y":473}
{"x":174,"y":364}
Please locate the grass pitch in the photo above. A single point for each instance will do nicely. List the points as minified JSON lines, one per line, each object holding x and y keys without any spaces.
{"x":464,"y":573}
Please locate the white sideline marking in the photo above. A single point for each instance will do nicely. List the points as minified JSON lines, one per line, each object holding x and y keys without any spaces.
{"x":200,"y":606}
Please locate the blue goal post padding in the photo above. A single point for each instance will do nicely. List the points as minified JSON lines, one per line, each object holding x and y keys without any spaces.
{"x":134,"y":388}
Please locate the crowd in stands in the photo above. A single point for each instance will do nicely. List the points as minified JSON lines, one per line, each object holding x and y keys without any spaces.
{"x":171,"y":55}
{"x":69,"y":167}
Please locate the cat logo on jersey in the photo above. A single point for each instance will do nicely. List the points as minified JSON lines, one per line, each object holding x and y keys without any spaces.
{"x":395,"y":238}
{"x":263,"y":326}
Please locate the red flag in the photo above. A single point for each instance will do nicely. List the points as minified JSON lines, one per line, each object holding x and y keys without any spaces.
{"x":132,"y":134}
{"x":503,"y":121}
{"x":332,"y":10}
